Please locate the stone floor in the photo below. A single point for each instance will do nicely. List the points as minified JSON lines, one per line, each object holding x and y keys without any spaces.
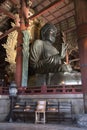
{"x":32,"y":126}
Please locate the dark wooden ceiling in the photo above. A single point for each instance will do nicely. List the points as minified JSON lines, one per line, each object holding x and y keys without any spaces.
{"x":60,"y":12}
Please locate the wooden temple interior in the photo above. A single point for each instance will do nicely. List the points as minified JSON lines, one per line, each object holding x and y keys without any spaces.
{"x":61,"y":13}
{"x":68,"y":16}
{"x":70,"y":19}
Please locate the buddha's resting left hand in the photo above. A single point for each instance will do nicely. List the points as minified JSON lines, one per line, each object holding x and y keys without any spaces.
{"x":65,"y":68}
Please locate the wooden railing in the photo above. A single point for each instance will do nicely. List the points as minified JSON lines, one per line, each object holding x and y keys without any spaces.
{"x":4,"y":90}
{"x":61,"y":89}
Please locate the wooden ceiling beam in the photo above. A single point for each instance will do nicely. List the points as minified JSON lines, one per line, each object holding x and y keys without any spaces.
{"x":9,"y":14}
{"x":56,"y":23}
{"x":61,"y":8}
{"x":7,"y":32}
{"x":70,"y":29}
{"x":3,"y":21}
{"x":64,"y":14}
{"x":16,"y":2}
{"x":46,"y":9}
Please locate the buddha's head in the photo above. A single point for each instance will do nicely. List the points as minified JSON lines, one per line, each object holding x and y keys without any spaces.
{"x":48,"y":32}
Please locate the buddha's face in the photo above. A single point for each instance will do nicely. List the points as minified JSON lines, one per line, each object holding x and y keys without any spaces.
{"x":50,"y":35}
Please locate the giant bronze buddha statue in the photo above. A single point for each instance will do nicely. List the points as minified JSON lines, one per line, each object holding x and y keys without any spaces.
{"x":44,"y":57}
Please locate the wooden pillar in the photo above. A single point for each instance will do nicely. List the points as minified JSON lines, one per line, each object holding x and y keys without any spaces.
{"x":81,"y":20}
{"x":23,"y":14}
{"x":19,"y":59}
